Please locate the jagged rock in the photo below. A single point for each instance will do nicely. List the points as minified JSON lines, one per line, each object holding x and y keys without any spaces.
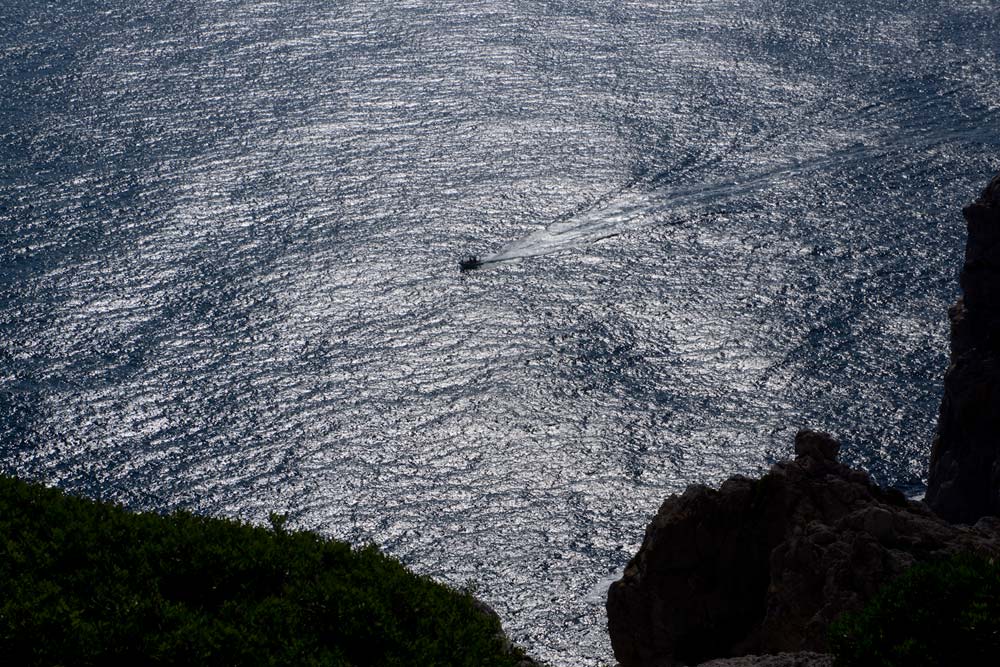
{"x":763,"y":566}
{"x":964,"y":480}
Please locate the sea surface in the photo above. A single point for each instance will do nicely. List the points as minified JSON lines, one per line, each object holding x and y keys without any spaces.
{"x":230,"y":233}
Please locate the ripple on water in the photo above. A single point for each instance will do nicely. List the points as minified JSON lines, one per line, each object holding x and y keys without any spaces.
{"x":229,"y":234}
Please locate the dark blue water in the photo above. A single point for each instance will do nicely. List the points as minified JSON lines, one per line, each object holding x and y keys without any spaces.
{"x":229,"y":235}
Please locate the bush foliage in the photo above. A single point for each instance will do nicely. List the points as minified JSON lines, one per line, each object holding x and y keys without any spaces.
{"x":936,"y":614}
{"x":88,"y":583}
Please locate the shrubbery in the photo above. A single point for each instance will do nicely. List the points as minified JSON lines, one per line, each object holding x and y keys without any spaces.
{"x":940,"y":614}
{"x":87,"y":583}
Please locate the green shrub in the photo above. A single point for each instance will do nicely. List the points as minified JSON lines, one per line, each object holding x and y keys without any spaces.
{"x":938,"y":614}
{"x":87,"y":583}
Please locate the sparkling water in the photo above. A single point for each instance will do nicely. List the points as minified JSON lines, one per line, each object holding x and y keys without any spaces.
{"x":230,"y":233}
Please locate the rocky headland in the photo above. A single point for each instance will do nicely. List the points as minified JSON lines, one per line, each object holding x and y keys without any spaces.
{"x":964,"y":479}
{"x":763,"y":566}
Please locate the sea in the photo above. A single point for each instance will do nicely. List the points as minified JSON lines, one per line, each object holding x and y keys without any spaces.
{"x":230,"y":235}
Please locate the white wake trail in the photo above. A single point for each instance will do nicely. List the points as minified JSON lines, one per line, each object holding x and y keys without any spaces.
{"x":634,"y":209}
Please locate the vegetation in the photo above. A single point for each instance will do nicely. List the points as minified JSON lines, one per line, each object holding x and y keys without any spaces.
{"x":88,"y":583}
{"x":936,"y":614}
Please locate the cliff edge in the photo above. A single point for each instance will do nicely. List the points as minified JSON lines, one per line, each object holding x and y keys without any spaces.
{"x":964,"y":480}
{"x":764,"y":566}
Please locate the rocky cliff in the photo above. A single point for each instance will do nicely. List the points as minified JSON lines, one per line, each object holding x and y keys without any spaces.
{"x":763,"y":566}
{"x":964,"y":481}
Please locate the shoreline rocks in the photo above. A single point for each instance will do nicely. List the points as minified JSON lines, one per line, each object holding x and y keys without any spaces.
{"x":765,"y":565}
{"x":964,"y":480}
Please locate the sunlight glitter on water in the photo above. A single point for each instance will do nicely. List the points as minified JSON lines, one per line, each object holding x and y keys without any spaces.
{"x":229,"y":235}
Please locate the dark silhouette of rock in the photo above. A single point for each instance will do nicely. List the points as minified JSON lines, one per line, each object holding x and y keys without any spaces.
{"x":763,"y":566}
{"x":964,"y":481}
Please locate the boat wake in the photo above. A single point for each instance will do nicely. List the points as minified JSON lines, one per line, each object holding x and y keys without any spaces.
{"x":634,"y":208}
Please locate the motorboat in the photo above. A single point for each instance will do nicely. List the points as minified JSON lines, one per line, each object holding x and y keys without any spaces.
{"x":469,"y":263}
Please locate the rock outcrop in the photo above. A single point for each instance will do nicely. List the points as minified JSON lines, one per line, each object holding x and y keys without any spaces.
{"x":964,"y":481}
{"x":763,"y":566}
